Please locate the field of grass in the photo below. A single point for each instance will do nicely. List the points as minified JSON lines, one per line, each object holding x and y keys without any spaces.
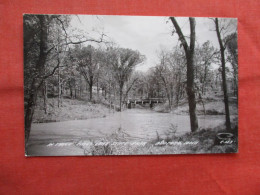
{"x":70,"y":109}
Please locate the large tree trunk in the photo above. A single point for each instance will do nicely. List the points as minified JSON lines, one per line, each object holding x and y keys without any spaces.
{"x":37,"y":81}
{"x":223,"y":73}
{"x":191,"y":93}
{"x":189,"y":52}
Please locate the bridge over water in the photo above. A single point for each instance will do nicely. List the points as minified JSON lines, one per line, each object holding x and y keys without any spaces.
{"x":151,"y":101}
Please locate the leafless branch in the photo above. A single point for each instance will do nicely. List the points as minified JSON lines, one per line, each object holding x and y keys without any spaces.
{"x":181,"y":36}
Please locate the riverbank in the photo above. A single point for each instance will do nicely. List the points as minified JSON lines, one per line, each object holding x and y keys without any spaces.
{"x":202,"y":141}
{"x":134,"y":131}
{"x":209,"y":106}
{"x":70,"y":109}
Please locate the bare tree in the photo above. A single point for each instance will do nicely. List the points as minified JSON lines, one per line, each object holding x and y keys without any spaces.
{"x":189,"y":52}
{"x":166,"y":76}
{"x":222,"y":46}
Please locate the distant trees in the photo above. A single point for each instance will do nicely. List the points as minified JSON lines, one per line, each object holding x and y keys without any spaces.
{"x":171,"y":74}
{"x":179,"y":69}
{"x":123,"y":62}
{"x":152,"y":86}
{"x":165,"y":75}
{"x":204,"y":57}
{"x":110,"y":69}
{"x":189,"y":52}
{"x":87,"y":61}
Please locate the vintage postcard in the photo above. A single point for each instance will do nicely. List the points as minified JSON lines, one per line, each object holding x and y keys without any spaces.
{"x":129,"y":85}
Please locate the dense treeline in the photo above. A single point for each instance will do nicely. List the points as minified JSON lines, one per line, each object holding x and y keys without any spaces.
{"x":60,"y":65}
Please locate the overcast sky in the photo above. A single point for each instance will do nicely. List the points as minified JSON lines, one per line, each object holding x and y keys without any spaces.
{"x":147,"y":34}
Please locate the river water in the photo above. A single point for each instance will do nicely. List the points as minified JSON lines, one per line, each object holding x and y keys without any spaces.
{"x":137,"y":124}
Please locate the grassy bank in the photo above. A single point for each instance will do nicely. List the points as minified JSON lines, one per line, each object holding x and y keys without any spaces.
{"x":210,"y":106}
{"x":70,"y":109}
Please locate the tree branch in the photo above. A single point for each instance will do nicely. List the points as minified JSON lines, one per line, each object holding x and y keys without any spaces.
{"x":192,"y":33}
{"x":180,"y":34}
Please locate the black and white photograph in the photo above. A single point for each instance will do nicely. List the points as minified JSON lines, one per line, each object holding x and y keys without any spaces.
{"x":129,"y":85}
